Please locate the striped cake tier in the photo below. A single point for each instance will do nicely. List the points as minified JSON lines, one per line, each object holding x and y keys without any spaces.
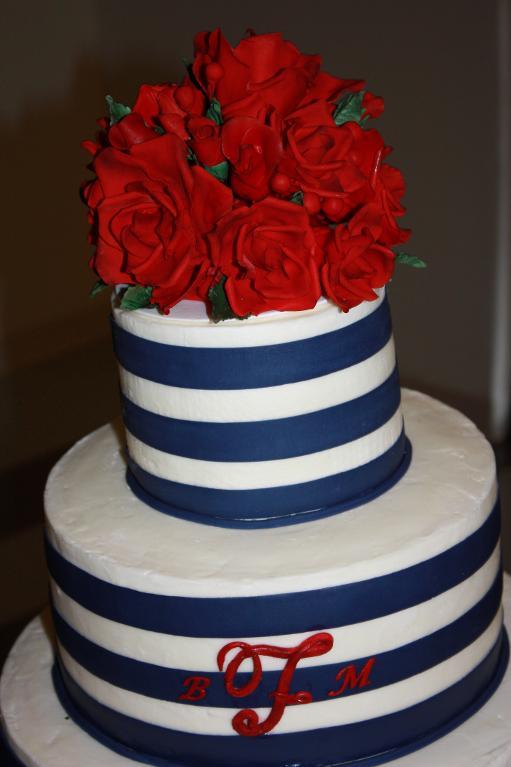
{"x":268,"y":421}
{"x":349,"y":639}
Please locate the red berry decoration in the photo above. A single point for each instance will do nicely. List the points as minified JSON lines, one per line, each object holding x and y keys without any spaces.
{"x":184,"y":96}
{"x":311,"y":203}
{"x":333,"y":208}
{"x":214,"y":72}
{"x":281,"y":183}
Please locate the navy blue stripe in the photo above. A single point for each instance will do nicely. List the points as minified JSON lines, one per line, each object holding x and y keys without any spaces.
{"x":269,"y":439}
{"x":375,"y":740}
{"x":256,"y":366}
{"x":390,"y":667}
{"x":273,"y":505}
{"x":234,"y":617}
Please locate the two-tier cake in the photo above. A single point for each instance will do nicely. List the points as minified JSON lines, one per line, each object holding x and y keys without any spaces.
{"x":279,"y":560}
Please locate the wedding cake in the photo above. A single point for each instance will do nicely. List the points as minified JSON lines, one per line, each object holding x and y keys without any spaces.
{"x":280,"y":558}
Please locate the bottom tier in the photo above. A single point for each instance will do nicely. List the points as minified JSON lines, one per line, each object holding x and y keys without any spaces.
{"x":344,"y":640}
{"x":39,"y":733}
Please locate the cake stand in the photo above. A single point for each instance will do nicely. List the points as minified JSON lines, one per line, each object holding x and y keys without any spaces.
{"x":38,"y":733}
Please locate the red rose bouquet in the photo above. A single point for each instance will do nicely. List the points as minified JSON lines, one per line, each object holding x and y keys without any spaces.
{"x":254,"y":184}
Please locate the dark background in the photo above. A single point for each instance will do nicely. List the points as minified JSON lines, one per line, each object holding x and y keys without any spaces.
{"x":442,"y":69}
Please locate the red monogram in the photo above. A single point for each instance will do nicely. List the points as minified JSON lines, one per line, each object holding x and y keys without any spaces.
{"x":197,"y":687}
{"x":246,"y":722}
{"x":351,"y":679}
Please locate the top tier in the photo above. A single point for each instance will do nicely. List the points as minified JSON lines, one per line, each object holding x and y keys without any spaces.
{"x":275,"y":420}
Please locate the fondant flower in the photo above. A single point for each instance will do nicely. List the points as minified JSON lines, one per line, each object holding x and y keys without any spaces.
{"x":389,"y":189}
{"x":253,"y":151}
{"x":262,"y":73}
{"x":167,"y":106}
{"x":151,"y":210}
{"x":259,"y":168}
{"x":334,"y":163}
{"x":356,"y":263}
{"x":205,"y":140}
{"x":268,"y":254}
{"x":129,"y":131}
{"x":158,"y":109}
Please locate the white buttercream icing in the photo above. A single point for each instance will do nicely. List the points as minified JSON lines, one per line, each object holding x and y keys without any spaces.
{"x":358,"y":640}
{"x":41,"y":735}
{"x":189,"y":324}
{"x":97,"y":523}
{"x":209,"y":720}
{"x":268,"y":402}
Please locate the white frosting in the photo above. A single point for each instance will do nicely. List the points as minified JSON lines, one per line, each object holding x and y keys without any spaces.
{"x":189,"y":324}
{"x":250,"y":475}
{"x":37,"y":728}
{"x":187,"y":327}
{"x":268,"y":402}
{"x":209,"y":720}
{"x":41,"y":736}
{"x":97,"y":523}
{"x":358,"y":640}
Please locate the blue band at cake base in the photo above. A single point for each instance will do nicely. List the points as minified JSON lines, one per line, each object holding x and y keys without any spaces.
{"x":364,"y":744}
{"x":273,"y":506}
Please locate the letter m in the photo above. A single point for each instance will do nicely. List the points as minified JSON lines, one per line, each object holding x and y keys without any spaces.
{"x":350,"y":679}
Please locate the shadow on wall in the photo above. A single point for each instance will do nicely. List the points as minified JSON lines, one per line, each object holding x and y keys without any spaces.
{"x":53,"y":339}
{"x":57,"y":375}
{"x":58,"y":379}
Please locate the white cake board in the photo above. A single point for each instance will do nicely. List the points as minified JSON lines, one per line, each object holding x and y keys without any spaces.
{"x":40,"y":734}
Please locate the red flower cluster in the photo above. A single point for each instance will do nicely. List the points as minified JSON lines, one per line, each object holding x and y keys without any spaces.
{"x":256,"y":172}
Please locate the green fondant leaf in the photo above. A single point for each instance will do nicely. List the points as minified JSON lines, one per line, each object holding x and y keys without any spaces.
{"x":136,"y":297}
{"x":220,"y":307}
{"x":215,"y":111}
{"x":192,"y":157}
{"x":117,"y":111}
{"x":406,"y":258}
{"x":97,"y":288}
{"x":220,"y":171}
{"x":349,"y":109}
{"x":159,"y":130}
{"x":297,"y":198}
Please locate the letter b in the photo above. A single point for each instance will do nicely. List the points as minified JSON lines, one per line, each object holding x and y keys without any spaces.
{"x":197,"y":688}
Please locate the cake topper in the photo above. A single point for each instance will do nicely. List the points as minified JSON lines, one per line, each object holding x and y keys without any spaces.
{"x":256,"y":183}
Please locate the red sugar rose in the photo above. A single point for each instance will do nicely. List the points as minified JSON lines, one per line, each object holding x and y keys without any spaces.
{"x":263,"y":72}
{"x":166,"y":106}
{"x":268,"y":254}
{"x":253,"y":151}
{"x":151,"y":212}
{"x":355,"y":262}
{"x":205,"y":140}
{"x":326,"y":87}
{"x":257,"y":167}
{"x":334,"y":161}
{"x":217,"y":69}
{"x":389,"y":188}
{"x":129,"y":131}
